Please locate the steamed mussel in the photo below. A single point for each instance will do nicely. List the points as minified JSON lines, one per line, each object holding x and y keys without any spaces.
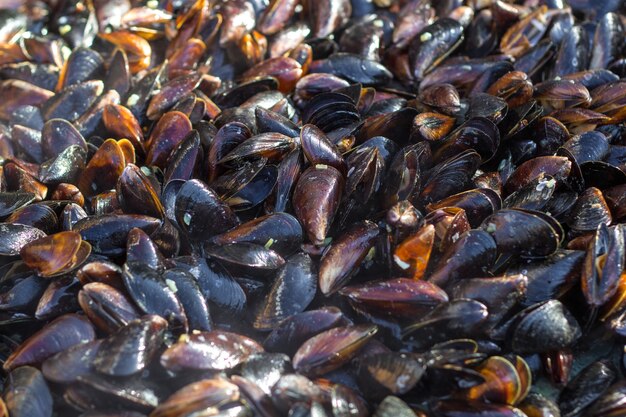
{"x":333,"y":208}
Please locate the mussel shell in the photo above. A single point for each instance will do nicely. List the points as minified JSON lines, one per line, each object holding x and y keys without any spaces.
{"x":292,"y":332}
{"x":331,"y":349}
{"x":538,"y":239}
{"x":550,"y":278}
{"x":603,"y":266}
{"x":27,"y":393}
{"x":292,"y":291}
{"x":316,"y":199}
{"x":245,"y":258}
{"x":54,"y":254}
{"x":103,"y":169}
{"x":14,"y":236}
{"x":590,"y":211}
{"x":472,"y":255}
{"x":389,"y":374}
{"x":11,"y":201}
{"x":216,"y":284}
{"x":195,"y":203}
{"x":544,"y":327}
{"x":216,"y":350}
{"x":57,"y":135}
{"x":393,"y":406}
{"x":610,"y":401}
{"x":65,"y":167}
{"x":59,"y":298}
{"x":456,"y":318}
{"x":281,"y":231}
{"x":190,"y":295}
{"x":353,"y":68}
{"x":65,"y":367}
{"x":398,"y":298}
{"x":211,"y":394}
{"x":344,"y":256}
{"x":501,"y":295}
{"x":480,"y":134}
{"x":136,"y":194}
{"x":152,"y":294}
{"x":64,"y":332}
{"x":106,"y":307}
{"x":256,"y":190}
{"x":108,"y":234}
{"x":130,"y":349}
{"x":450,"y":176}
{"x":433,"y":44}
{"x":588,"y":385}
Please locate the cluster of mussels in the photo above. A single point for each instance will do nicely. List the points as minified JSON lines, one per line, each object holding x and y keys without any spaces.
{"x":317,"y":208}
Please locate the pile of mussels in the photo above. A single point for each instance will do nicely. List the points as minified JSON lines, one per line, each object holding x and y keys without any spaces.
{"x":326,"y":208}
